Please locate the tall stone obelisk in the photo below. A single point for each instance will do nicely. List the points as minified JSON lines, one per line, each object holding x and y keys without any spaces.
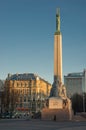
{"x":57,"y":57}
{"x":57,"y":50}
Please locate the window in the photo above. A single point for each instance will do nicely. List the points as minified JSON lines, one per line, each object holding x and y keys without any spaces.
{"x":24,"y":99}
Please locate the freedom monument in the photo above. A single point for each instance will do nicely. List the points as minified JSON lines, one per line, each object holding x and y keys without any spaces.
{"x":58,"y":105}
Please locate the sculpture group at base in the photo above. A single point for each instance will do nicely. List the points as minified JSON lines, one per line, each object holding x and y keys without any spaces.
{"x":58,"y":102}
{"x":59,"y":90}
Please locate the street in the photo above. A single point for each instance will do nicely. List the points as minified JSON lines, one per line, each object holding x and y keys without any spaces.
{"x":35,"y":124}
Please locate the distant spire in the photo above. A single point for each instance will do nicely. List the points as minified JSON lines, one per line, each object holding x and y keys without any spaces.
{"x":58,"y":20}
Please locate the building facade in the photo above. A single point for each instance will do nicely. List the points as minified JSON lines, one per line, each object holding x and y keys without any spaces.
{"x":25,"y":92}
{"x":1,"y":96}
{"x":75,"y":83}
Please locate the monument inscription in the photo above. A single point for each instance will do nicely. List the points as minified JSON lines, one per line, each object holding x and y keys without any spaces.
{"x":55,"y":104}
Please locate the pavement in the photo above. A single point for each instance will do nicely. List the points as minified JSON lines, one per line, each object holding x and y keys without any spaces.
{"x":79,"y":118}
{"x":37,"y":124}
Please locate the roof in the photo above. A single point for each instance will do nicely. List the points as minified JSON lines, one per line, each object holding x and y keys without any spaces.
{"x":24,"y":76}
{"x":75,"y":75}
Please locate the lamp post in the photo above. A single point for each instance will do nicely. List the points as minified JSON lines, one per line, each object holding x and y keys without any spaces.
{"x":0,"y":103}
{"x":84,"y":89}
{"x":83,"y":102}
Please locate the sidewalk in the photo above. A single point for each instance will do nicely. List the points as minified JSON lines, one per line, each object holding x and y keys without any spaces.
{"x":79,"y":118}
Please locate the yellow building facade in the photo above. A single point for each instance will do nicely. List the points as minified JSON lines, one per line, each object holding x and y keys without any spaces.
{"x":25,"y":93}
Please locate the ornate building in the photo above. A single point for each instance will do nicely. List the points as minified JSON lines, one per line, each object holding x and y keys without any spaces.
{"x":75,"y":83}
{"x":25,"y":92}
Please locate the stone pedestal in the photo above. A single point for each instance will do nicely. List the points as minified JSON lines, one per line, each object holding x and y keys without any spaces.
{"x":55,"y":114}
{"x":57,"y":109}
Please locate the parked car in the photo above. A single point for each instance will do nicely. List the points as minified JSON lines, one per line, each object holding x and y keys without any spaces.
{"x":6,"y":115}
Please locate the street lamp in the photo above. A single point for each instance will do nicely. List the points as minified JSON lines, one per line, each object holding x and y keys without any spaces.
{"x":83,"y":102}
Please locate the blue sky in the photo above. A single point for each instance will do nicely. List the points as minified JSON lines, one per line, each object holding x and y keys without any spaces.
{"x":27,"y":36}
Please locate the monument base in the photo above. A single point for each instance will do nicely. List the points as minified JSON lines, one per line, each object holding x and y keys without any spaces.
{"x":57,"y":109}
{"x":55,"y":114}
